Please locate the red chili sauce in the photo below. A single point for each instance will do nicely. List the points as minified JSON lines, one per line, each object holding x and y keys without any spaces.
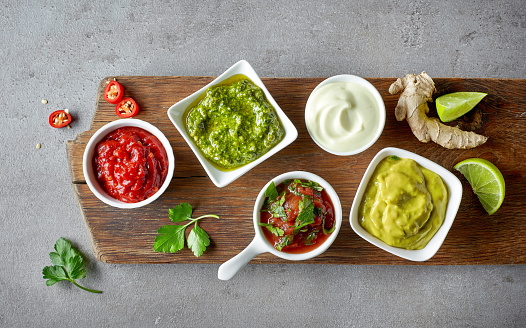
{"x":130,"y":164}
{"x":299,"y":219}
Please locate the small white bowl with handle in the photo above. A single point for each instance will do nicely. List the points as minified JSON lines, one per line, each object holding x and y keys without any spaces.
{"x":260,"y":244}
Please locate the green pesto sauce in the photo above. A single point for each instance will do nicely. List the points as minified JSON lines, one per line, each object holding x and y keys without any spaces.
{"x":234,"y":124}
{"x":404,"y":203}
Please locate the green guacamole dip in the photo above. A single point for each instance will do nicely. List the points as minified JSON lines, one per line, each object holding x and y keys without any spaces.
{"x":404,"y":203}
{"x":234,"y":124}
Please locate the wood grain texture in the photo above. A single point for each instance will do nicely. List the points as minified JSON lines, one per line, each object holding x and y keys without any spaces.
{"x":126,"y":236}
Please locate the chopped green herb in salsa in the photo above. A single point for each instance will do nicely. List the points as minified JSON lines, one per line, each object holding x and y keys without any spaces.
{"x":298,"y":215}
{"x":234,"y":124}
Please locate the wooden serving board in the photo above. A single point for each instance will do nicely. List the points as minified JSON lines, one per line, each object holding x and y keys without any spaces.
{"x":127,"y":235}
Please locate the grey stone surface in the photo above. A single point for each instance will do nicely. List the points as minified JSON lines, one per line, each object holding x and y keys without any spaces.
{"x":60,"y":50}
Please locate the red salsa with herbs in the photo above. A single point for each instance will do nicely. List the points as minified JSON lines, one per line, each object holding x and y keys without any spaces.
{"x":297,"y":216}
{"x":130,"y":164}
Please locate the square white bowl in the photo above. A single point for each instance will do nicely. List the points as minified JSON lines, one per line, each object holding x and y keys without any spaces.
{"x":218,"y":177}
{"x":454,"y":187}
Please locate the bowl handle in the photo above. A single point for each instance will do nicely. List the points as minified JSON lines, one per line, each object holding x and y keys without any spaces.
{"x":229,"y":269}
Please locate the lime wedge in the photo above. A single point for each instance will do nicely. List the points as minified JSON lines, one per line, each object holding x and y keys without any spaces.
{"x":453,"y":105}
{"x":486,"y":180}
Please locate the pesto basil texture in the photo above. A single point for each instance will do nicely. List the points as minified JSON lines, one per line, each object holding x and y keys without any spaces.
{"x":234,"y":124}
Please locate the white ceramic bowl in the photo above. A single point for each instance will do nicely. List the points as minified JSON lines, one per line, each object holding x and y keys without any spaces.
{"x":454,"y":187}
{"x":89,"y":173}
{"x":377,"y":97}
{"x":218,"y":177}
{"x":260,"y":244}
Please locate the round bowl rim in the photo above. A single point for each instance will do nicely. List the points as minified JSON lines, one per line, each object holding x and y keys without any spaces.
{"x":338,"y":215}
{"x":377,"y":96}
{"x":87,"y":165}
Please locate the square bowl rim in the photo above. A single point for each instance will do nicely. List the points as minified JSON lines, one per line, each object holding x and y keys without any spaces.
{"x":218,"y":177}
{"x":454,"y":198}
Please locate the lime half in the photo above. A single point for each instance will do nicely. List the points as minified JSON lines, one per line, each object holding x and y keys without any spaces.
{"x":453,"y":105}
{"x":486,"y":180}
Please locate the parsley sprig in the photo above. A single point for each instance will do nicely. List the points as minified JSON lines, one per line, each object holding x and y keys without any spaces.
{"x":67,"y":265}
{"x":171,"y":237}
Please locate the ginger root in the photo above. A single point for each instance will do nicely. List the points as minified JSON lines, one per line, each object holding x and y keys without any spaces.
{"x":412,"y":106}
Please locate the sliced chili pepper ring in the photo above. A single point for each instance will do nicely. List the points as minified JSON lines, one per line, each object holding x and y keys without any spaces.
{"x":114,"y":92}
{"x":59,"y":119}
{"x":127,"y":107}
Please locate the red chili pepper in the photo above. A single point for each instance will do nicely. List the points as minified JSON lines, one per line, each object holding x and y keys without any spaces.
{"x":114,"y":92}
{"x":127,"y":107}
{"x":59,"y":119}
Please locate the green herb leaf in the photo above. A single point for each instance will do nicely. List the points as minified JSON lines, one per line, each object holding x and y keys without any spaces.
{"x":308,"y":184}
{"x":181,"y":212}
{"x":304,"y":203}
{"x":285,"y":241}
{"x":274,"y":230}
{"x":312,"y":185}
{"x":197,"y":240}
{"x":75,"y":268}
{"x":54,"y":274}
{"x":64,"y":251}
{"x":271,"y":193}
{"x":282,"y":199}
{"x":305,"y":217}
{"x":68,"y":265}
{"x":325,"y":231}
{"x":277,"y":210}
{"x":170,"y":239}
{"x":310,"y":238}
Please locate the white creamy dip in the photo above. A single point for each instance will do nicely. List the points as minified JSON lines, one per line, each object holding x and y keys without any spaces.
{"x":342,"y":116}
